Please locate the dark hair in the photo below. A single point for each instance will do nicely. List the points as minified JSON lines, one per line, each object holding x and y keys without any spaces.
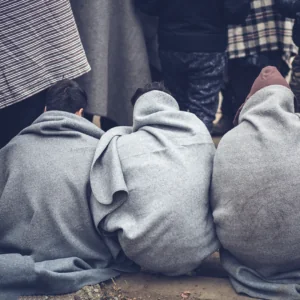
{"x":153,"y":86}
{"x":66,"y":95}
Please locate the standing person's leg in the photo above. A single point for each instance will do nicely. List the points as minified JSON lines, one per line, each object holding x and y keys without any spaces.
{"x":30,"y":109}
{"x":242,"y":76}
{"x":174,"y":76}
{"x":3,"y":127}
{"x":205,"y":79}
{"x":16,"y":117}
{"x":9,"y":123}
{"x":107,"y":123}
{"x":295,"y":81}
{"x":88,"y":117}
{"x":225,"y":123}
{"x":226,"y":106}
{"x":243,"y":72}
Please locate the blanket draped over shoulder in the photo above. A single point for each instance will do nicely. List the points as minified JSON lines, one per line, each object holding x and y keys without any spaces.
{"x":48,"y":242}
{"x":255,"y":193}
{"x":150,"y":186}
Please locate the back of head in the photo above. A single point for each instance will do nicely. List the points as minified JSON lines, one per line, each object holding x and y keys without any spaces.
{"x":66,"y":95}
{"x":153,"y":86}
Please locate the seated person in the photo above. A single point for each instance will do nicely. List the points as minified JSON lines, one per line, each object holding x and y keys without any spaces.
{"x":48,"y":242}
{"x":150,"y":186}
{"x":255,"y":193}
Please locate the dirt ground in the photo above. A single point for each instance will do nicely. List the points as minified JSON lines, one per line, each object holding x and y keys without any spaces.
{"x":150,"y":287}
{"x":209,"y":282}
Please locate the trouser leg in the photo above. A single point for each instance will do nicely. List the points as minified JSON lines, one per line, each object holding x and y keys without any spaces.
{"x":242,"y":78}
{"x":205,"y":79}
{"x":228,"y":96}
{"x":295,"y":81}
{"x":242,"y":73}
{"x":107,"y":123}
{"x":175,"y":78}
{"x":18,"y":116}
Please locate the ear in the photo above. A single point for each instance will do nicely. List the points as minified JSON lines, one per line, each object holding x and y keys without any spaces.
{"x":79,"y":112}
{"x":45,"y":109}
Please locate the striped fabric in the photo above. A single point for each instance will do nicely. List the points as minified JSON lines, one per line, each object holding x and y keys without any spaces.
{"x":39,"y":45}
{"x":264,"y":30}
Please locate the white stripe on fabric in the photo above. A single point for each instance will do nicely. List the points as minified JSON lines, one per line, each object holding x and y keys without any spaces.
{"x":39,"y":45}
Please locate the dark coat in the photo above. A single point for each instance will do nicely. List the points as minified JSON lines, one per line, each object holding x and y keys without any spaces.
{"x":195,"y":25}
{"x":288,"y":8}
{"x":291,"y":9}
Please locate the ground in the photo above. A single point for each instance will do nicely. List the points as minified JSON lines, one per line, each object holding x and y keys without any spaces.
{"x":149,"y":287}
{"x":207,"y":283}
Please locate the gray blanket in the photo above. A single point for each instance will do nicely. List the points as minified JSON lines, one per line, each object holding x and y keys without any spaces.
{"x":150,"y":186}
{"x":48,"y":242}
{"x":255,"y":197}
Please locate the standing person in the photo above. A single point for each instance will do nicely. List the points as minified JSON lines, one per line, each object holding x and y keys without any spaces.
{"x":264,"y":40}
{"x":192,"y":40}
{"x":39,"y":45}
{"x":113,"y":39}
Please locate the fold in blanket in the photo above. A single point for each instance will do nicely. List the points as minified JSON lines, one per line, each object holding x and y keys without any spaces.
{"x":255,"y":193}
{"x":150,"y":187}
{"x":48,"y":242}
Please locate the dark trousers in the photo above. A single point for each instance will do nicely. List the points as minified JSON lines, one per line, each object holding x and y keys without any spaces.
{"x":295,"y":81}
{"x":195,"y":80}
{"x":17,"y":116}
{"x":242,"y":73}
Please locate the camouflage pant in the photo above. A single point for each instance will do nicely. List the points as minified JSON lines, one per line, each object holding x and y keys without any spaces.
{"x":195,"y":80}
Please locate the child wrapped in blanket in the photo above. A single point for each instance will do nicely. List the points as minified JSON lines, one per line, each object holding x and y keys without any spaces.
{"x":150,"y":186}
{"x":255,"y":193}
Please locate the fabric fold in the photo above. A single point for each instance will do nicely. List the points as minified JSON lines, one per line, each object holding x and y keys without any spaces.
{"x":48,"y":241}
{"x":153,"y":183}
{"x":255,"y":193}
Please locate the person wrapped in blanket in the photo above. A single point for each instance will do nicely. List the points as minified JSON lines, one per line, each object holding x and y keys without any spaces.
{"x":150,"y":186}
{"x":255,"y":192}
{"x":48,"y":243}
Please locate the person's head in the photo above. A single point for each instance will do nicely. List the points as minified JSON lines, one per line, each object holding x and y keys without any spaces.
{"x":153,"y":86}
{"x":66,"y":95}
{"x":267,"y":77}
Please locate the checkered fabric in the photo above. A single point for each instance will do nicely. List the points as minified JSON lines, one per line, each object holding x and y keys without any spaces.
{"x":264,"y":30}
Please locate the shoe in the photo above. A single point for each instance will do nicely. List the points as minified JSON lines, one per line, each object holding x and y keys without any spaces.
{"x":224,"y":125}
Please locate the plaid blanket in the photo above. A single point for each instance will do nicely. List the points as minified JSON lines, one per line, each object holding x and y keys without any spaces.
{"x":264,"y":30}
